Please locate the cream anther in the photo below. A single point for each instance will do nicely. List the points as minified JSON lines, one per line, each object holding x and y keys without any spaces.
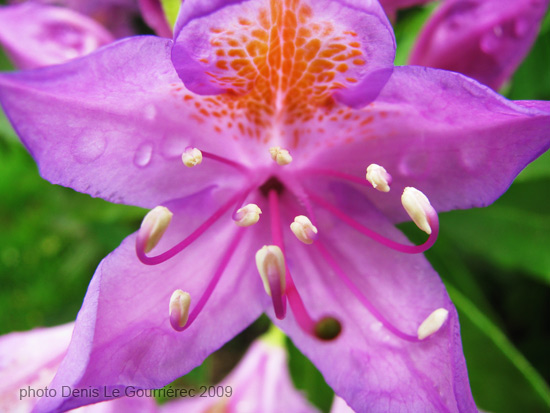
{"x":304,"y":230}
{"x":379,"y":178}
{"x":433,"y":323}
{"x":191,"y":157}
{"x":271,"y":263}
{"x":179,"y":309}
{"x":154,"y":225}
{"x":279,"y":155}
{"x":418,"y":207}
{"x":247,"y":215}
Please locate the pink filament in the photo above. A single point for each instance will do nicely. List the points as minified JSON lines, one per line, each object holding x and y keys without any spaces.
{"x":407,"y":249}
{"x":141,"y":239}
{"x":234,"y":243}
{"x":366,"y":303}
{"x":226,"y":161}
{"x":337,"y":174}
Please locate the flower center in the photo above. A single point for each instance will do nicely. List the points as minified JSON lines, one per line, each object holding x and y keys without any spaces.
{"x":270,"y":259}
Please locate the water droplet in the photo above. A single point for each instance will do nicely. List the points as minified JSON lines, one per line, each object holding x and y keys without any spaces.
{"x":521,"y":27}
{"x":88,"y":147}
{"x":490,"y":41}
{"x":150,"y":112}
{"x":473,"y":156}
{"x":143,"y":154}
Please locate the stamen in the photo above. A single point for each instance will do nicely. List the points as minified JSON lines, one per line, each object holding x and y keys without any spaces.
{"x":270,"y":262}
{"x":154,"y":226}
{"x":191,"y":157}
{"x":433,"y":323}
{"x":279,"y":155}
{"x":143,"y":235}
{"x":419,"y":208}
{"x":407,"y":249}
{"x":247,"y":215}
{"x":304,"y":230}
{"x":233,"y":244}
{"x":179,"y":309}
{"x":379,"y":178}
{"x":364,"y":300}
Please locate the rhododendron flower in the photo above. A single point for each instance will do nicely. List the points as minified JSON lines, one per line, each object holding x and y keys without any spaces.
{"x":258,"y":116}
{"x":483,"y":39}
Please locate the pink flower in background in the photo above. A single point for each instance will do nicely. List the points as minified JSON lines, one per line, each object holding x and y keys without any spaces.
{"x":28,"y":362}
{"x":35,"y":35}
{"x":255,"y":127}
{"x":259,"y":383}
{"x":39,"y":33}
{"x":483,"y":39}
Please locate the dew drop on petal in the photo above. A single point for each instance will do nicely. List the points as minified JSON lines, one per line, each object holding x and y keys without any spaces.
{"x":143,"y":154}
{"x":521,"y":27}
{"x":89,"y":146}
{"x":490,"y":41}
{"x":473,"y":156}
{"x":150,"y":112}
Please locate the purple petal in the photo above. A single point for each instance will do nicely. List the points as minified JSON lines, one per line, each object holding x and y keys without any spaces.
{"x":154,"y":16}
{"x":115,"y":123}
{"x":295,"y":51}
{"x":367,"y":365}
{"x":482,"y":39}
{"x":35,"y":35}
{"x":457,"y":141}
{"x":123,"y":334}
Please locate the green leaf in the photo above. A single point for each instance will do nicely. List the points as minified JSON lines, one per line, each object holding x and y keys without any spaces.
{"x":502,"y":380}
{"x":407,"y":27}
{"x":171,"y":9}
{"x":531,"y":80}
{"x":512,"y":233}
{"x":306,"y":377}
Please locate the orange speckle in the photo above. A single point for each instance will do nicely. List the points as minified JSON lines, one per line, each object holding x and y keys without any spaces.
{"x":244,"y":22}
{"x":342,"y":68}
{"x":355,"y":44}
{"x":351,"y":79}
{"x":236,"y":52}
{"x":359,"y":62}
{"x":203,"y":61}
{"x":222,"y":64}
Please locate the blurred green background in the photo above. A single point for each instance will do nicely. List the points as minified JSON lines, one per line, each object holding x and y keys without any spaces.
{"x":495,"y":261}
